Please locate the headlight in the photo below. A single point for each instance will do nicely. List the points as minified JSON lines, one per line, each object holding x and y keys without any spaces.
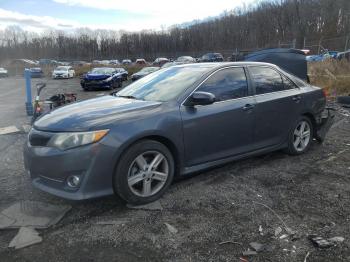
{"x":66,"y":141}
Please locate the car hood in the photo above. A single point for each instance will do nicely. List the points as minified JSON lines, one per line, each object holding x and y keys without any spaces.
{"x":93,"y":113}
{"x":60,"y":72}
{"x":96,"y":76}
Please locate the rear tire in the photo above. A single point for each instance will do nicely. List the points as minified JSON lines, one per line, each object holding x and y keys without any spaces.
{"x":300,"y":136}
{"x":144,"y":172}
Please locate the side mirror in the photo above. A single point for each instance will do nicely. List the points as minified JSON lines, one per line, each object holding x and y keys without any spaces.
{"x":201,"y":98}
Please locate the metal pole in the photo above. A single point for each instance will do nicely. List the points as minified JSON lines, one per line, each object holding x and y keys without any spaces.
{"x":29,"y":105}
{"x":346,"y":43}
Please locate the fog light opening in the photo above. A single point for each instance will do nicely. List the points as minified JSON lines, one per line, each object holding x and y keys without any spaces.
{"x":73,"y":181}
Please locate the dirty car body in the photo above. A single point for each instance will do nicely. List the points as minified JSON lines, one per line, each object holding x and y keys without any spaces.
{"x":179,"y":109}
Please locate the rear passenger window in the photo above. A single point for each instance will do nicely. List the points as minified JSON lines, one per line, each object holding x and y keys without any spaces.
{"x":266,"y":80}
{"x":226,"y":84}
{"x":288,"y":84}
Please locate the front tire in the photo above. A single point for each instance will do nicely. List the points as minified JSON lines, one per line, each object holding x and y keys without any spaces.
{"x":144,"y":172}
{"x":300,"y":136}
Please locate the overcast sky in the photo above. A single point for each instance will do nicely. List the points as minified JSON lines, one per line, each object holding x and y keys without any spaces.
{"x":130,"y":15}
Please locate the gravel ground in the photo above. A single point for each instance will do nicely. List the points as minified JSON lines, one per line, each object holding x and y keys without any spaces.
{"x":309,"y":194}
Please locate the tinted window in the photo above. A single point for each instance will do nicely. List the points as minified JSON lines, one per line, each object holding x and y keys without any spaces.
{"x":226,"y":84}
{"x":297,"y":80}
{"x":266,"y":80}
{"x":288,"y":84}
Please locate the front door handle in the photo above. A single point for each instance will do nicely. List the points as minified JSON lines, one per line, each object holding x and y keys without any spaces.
{"x":248,"y":107}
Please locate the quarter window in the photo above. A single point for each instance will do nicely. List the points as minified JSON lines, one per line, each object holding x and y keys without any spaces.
{"x":266,"y":80}
{"x":288,"y":84}
{"x":226,"y":84}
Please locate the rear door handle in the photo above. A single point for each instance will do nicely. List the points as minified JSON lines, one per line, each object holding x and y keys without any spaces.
{"x":248,"y":107}
{"x":296,"y":98}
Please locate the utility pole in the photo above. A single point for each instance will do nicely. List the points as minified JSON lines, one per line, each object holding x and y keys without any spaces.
{"x":346,"y":43}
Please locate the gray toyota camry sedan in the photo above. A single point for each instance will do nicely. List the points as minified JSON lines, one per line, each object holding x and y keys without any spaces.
{"x":176,"y":121}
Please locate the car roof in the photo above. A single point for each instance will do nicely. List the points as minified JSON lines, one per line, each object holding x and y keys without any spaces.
{"x":215,"y":65}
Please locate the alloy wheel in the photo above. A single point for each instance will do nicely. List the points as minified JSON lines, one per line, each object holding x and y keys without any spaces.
{"x":148,"y":173}
{"x":302,"y":136}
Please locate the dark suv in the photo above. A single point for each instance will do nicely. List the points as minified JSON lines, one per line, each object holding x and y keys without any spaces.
{"x":212,"y":57}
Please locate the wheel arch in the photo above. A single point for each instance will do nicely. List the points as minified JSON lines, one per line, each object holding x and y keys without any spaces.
{"x":174,"y":150}
{"x":313,"y":121}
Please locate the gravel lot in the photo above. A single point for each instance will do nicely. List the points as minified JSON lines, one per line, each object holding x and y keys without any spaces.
{"x":309,"y":194}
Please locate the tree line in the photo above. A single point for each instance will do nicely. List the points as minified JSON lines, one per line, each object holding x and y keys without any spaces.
{"x":262,"y":25}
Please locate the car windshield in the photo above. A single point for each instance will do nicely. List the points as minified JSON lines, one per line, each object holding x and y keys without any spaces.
{"x":149,"y":69}
{"x":61,"y":68}
{"x":165,"y":84}
{"x":103,"y":71}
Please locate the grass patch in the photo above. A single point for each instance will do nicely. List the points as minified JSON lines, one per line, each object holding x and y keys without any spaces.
{"x":332,"y":75}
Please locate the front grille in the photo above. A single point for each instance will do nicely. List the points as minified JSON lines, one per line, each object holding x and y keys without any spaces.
{"x":93,"y":82}
{"x":39,"y":138}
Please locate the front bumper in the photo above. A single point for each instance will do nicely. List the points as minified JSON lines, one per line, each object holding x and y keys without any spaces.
{"x":49,"y":169}
{"x":96,"y":84}
{"x":325,"y":122}
{"x":60,"y":76}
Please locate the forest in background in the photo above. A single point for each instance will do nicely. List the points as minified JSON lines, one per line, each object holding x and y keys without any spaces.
{"x":265,"y":24}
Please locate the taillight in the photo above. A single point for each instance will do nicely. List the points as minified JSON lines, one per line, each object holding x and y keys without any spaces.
{"x":325,"y":94}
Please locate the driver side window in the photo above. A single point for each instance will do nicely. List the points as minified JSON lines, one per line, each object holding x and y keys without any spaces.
{"x":226,"y":84}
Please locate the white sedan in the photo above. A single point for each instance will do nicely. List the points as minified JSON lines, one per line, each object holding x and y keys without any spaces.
{"x":3,"y":72}
{"x":63,"y":72}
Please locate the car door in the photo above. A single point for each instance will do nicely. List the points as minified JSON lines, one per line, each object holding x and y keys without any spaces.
{"x":278,"y":102}
{"x":224,"y":128}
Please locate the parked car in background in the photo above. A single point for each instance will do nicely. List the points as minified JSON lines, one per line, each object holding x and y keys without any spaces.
{"x":123,"y":73}
{"x":177,"y":121}
{"x":344,"y":55}
{"x":126,"y":62}
{"x":47,"y":62}
{"x":36,"y":72}
{"x":63,"y":72}
{"x":114,"y":62}
{"x":102,"y":77}
{"x":180,"y":61}
{"x":78,"y":63}
{"x":160,"y":61}
{"x":140,"y":62}
{"x":212,"y":57}
{"x":185,"y":59}
{"x":322,"y":57}
{"x":143,"y":72}
{"x":3,"y":72}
